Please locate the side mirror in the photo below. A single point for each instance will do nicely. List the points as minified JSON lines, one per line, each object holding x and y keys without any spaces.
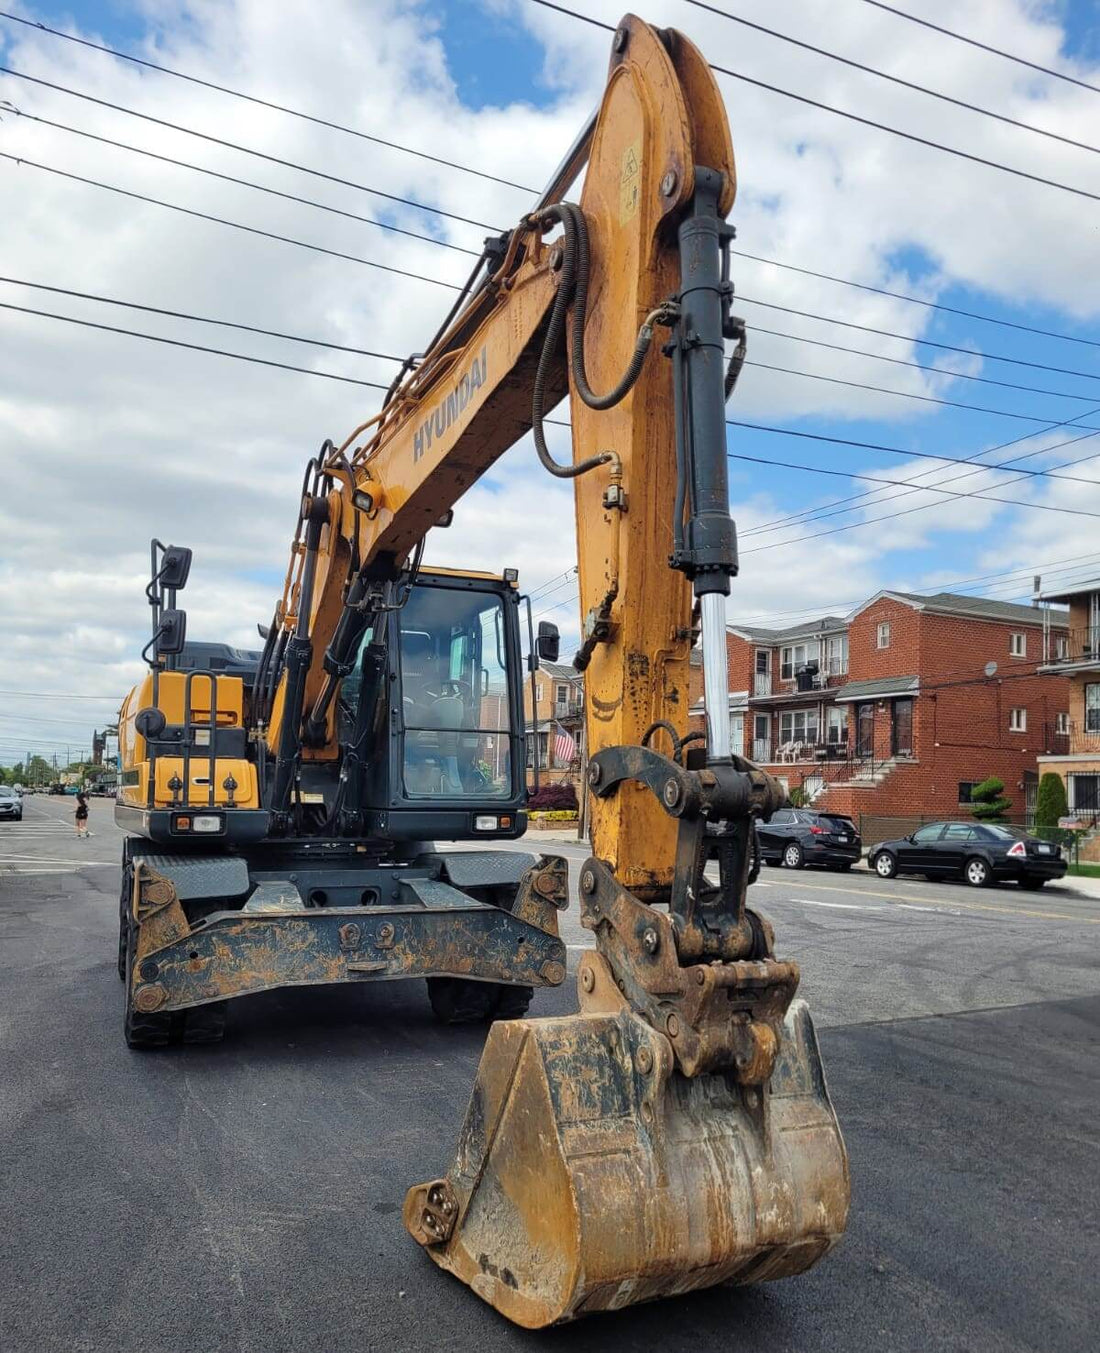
{"x":150,"y":722}
{"x":172,"y":631}
{"x":548,"y":643}
{"x":175,"y":565}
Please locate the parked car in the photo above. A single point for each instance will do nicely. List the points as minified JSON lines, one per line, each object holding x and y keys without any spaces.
{"x":799,"y":836}
{"x":11,"y":804}
{"x":979,"y":852}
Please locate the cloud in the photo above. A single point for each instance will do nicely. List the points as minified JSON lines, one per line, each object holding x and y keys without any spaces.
{"x":107,"y":441}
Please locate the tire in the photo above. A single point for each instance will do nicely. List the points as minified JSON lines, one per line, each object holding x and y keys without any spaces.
{"x":1031,"y":884}
{"x":124,"y":917}
{"x":792,"y":856}
{"x":200,"y":1024}
{"x":459,"y":1000}
{"x":885,"y":865}
{"x":977,"y":873}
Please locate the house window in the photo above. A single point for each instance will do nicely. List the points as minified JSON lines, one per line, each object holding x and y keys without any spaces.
{"x":836,"y":725}
{"x":1061,"y":722}
{"x":966,"y":788}
{"x":1061,"y":646}
{"x":798,"y":725}
{"x":791,"y":658}
{"x":836,"y":654}
{"x":563,"y":695}
{"x":883,"y":639}
{"x":538,"y":691}
{"x":762,"y":661}
{"x":1084,"y":793}
{"x":1092,"y":707}
{"x":1017,"y":721}
{"x":1017,"y":644}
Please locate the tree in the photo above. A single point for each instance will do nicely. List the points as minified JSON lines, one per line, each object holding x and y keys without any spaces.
{"x":1050,"y":805}
{"x":987,"y":800}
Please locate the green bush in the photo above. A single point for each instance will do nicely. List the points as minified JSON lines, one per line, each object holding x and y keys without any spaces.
{"x":554,"y":815}
{"x":987,"y":800}
{"x":1050,"y":805}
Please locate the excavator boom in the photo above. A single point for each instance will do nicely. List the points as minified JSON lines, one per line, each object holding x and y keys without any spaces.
{"x":677,"y":1132}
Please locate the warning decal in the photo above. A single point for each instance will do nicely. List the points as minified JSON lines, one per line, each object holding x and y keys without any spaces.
{"x":630,"y":183}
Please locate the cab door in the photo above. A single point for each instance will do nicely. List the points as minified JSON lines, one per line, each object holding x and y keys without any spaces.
{"x":956,"y":844}
{"x":920,"y":854}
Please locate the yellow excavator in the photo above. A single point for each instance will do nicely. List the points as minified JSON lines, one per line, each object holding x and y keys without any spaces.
{"x":676,"y":1133}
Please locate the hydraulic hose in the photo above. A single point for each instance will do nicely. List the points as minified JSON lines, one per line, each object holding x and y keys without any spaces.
{"x":573,"y":290}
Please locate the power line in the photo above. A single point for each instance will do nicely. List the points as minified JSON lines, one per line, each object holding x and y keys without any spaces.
{"x":894,"y":79}
{"x":221,"y":220}
{"x":167,"y":159}
{"x":923,"y":366}
{"x":63,"y":695}
{"x":247,"y":183}
{"x":244,"y":150}
{"x":200,"y":319}
{"x":985,"y":46}
{"x":901,"y":483}
{"x":819,"y":514}
{"x":855,"y":117}
{"x":903,"y":394}
{"x":192,"y":347}
{"x":892,"y":450}
{"x":816,"y":513}
{"x":914,"y":300}
{"x":262,"y":103}
{"x":912,"y":338}
{"x":439,"y":211}
{"x":1019,"y":575}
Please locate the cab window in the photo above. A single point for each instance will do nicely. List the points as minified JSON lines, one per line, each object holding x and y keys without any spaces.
{"x":454,"y":695}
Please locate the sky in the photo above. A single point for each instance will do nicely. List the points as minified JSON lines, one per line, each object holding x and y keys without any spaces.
{"x":107,"y":440}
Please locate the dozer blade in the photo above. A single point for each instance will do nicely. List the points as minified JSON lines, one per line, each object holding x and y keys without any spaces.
{"x":592,"y":1174}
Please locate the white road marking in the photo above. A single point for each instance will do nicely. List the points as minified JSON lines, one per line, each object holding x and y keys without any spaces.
{"x":841,"y":906}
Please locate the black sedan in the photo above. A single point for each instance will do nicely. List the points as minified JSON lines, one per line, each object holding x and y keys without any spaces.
{"x":799,"y":836}
{"x":979,"y":852}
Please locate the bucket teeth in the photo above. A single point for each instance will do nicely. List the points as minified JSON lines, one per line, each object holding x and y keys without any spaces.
{"x":591,"y":1174}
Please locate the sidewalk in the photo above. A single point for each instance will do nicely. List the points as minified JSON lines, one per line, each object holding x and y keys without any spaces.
{"x":1081,"y":886}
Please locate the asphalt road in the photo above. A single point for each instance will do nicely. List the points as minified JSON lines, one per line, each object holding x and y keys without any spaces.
{"x":247,"y":1196}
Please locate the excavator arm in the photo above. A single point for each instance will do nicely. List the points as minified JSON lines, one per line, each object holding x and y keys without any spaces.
{"x":677,"y":1132}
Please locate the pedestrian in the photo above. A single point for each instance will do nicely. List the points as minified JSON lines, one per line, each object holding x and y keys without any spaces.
{"x":82,"y":831}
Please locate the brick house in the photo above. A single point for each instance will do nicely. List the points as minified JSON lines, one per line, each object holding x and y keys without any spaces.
{"x":1072,"y":656}
{"x":901,"y":707}
{"x":559,"y":705}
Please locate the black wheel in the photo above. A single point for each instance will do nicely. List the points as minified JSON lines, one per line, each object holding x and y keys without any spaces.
{"x":792,"y":855}
{"x":124,"y":917}
{"x":977,"y":873}
{"x":200,"y":1024}
{"x":885,"y":865}
{"x":458,"y":1000}
{"x":1031,"y":884}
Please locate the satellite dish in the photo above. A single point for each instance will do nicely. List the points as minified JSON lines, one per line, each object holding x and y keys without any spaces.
{"x":990,"y":669}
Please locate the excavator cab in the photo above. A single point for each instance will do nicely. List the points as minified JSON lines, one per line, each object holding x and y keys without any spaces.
{"x":445,"y":727}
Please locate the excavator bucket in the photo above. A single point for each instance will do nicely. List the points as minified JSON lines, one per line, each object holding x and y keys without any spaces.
{"x":592,"y":1174}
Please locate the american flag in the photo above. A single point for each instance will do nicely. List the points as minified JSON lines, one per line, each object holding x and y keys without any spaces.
{"x":565,"y":748}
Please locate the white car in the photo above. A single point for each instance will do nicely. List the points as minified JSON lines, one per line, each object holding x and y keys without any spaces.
{"x":11,"y":804}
